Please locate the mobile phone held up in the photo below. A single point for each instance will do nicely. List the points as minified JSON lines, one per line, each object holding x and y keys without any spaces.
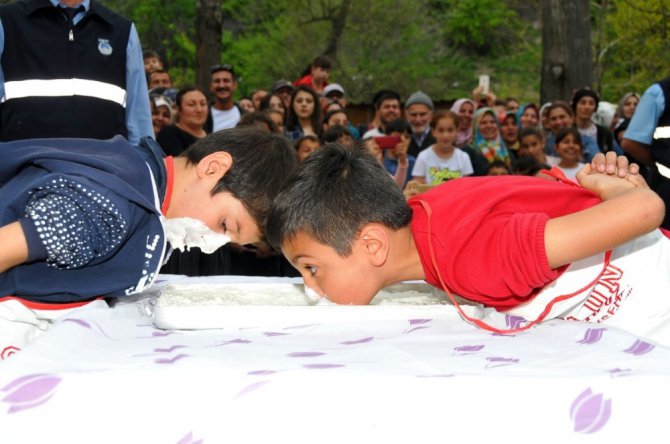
{"x":387,"y":142}
{"x":484,"y":84}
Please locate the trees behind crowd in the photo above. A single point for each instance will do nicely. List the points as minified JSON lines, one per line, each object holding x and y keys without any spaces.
{"x":438,"y":46}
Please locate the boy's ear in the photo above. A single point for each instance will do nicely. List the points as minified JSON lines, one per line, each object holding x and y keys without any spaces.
{"x":214,"y":165}
{"x":375,"y":241}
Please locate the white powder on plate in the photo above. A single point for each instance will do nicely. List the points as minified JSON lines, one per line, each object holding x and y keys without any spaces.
{"x":285,"y":294}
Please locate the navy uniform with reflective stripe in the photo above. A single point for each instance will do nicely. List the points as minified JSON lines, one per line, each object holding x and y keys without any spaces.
{"x":660,"y":153}
{"x":51,"y":87}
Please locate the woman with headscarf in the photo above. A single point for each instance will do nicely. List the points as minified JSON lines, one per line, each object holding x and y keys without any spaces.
{"x":465,"y":109}
{"x":528,"y":116}
{"x":487,"y":136}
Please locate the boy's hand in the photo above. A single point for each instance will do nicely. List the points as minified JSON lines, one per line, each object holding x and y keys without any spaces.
{"x":613,"y":165}
{"x":610,"y":177}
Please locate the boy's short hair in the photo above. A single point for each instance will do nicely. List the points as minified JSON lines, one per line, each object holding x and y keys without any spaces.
{"x":333,"y":195}
{"x":150,"y":54}
{"x":262,"y":162}
{"x":323,"y":62}
{"x":401,"y":126}
{"x":527,"y":166}
{"x":531,"y":131}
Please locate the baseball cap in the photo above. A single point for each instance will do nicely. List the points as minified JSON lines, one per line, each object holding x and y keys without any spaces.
{"x":333,"y":87}
{"x":280,"y":84}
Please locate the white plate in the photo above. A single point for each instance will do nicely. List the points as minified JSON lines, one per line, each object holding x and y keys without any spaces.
{"x":246,"y":305}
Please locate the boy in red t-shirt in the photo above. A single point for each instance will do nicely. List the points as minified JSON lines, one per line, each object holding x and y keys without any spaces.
{"x":532,"y":247}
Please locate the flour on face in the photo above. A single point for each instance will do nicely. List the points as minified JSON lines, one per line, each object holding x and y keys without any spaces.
{"x":184,"y":233}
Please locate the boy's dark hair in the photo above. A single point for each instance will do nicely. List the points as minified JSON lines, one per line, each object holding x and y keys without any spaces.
{"x":497,"y":163}
{"x":262,"y":162}
{"x":337,"y":191}
{"x":322,"y":62}
{"x":527,"y":166}
{"x":257,"y":119}
{"x":334,"y":132}
{"x":565,"y":132}
{"x":150,"y":54}
{"x":401,"y":126}
{"x":531,"y":131}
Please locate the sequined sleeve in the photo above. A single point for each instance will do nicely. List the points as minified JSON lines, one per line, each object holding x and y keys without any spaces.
{"x":75,"y":224}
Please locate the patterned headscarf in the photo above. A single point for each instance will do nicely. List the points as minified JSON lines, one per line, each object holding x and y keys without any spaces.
{"x":494,"y":149}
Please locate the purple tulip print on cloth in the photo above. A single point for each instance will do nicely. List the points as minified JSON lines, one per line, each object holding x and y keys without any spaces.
{"x":590,"y":412}
{"x":592,"y":335}
{"x":29,"y":391}
{"x":640,"y":347}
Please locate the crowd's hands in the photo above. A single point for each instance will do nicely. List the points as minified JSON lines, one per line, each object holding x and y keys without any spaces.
{"x":401,"y":150}
{"x":489,"y":98}
{"x":609,"y":175}
{"x":373,"y":147}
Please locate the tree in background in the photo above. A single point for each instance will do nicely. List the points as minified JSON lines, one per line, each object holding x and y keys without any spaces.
{"x":439,"y":46}
{"x":566,"y":48}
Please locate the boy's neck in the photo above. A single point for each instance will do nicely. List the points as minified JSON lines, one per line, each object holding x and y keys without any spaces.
{"x":181,"y":172}
{"x":404,"y":262}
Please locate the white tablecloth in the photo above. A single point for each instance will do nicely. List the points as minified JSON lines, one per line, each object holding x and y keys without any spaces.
{"x":108,"y":375}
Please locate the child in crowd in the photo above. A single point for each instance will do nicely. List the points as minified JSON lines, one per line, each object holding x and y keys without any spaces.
{"x":442,"y":161}
{"x":569,"y":149}
{"x":306,"y":145}
{"x":80,"y":219}
{"x":531,"y":143}
{"x":540,"y":249}
{"x":498,"y":168}
{"x":339,"y":134}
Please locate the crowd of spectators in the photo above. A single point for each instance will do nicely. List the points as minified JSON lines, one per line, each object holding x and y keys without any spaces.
{"x":419,"y":145}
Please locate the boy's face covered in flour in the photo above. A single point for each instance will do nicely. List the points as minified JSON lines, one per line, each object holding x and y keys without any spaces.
{"x":184,"y":233}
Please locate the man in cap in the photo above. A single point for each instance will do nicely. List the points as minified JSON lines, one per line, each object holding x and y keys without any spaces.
{"x":334,"y":92}
{"x":419,"y":112}
{"x":284,"y":89}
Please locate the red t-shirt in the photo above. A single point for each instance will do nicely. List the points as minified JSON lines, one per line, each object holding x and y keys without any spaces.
{"x":307,"y":80}
{"x":487,"y":235}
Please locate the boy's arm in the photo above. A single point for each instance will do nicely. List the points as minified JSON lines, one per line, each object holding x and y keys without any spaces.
{"x":629,"y":209}
{"x":14,"y":249}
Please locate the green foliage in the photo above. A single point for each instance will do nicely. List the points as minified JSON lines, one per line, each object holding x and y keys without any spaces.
{"x":438,"y":46}
{"x":640,"y":44}
{"x":482,"y":27}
